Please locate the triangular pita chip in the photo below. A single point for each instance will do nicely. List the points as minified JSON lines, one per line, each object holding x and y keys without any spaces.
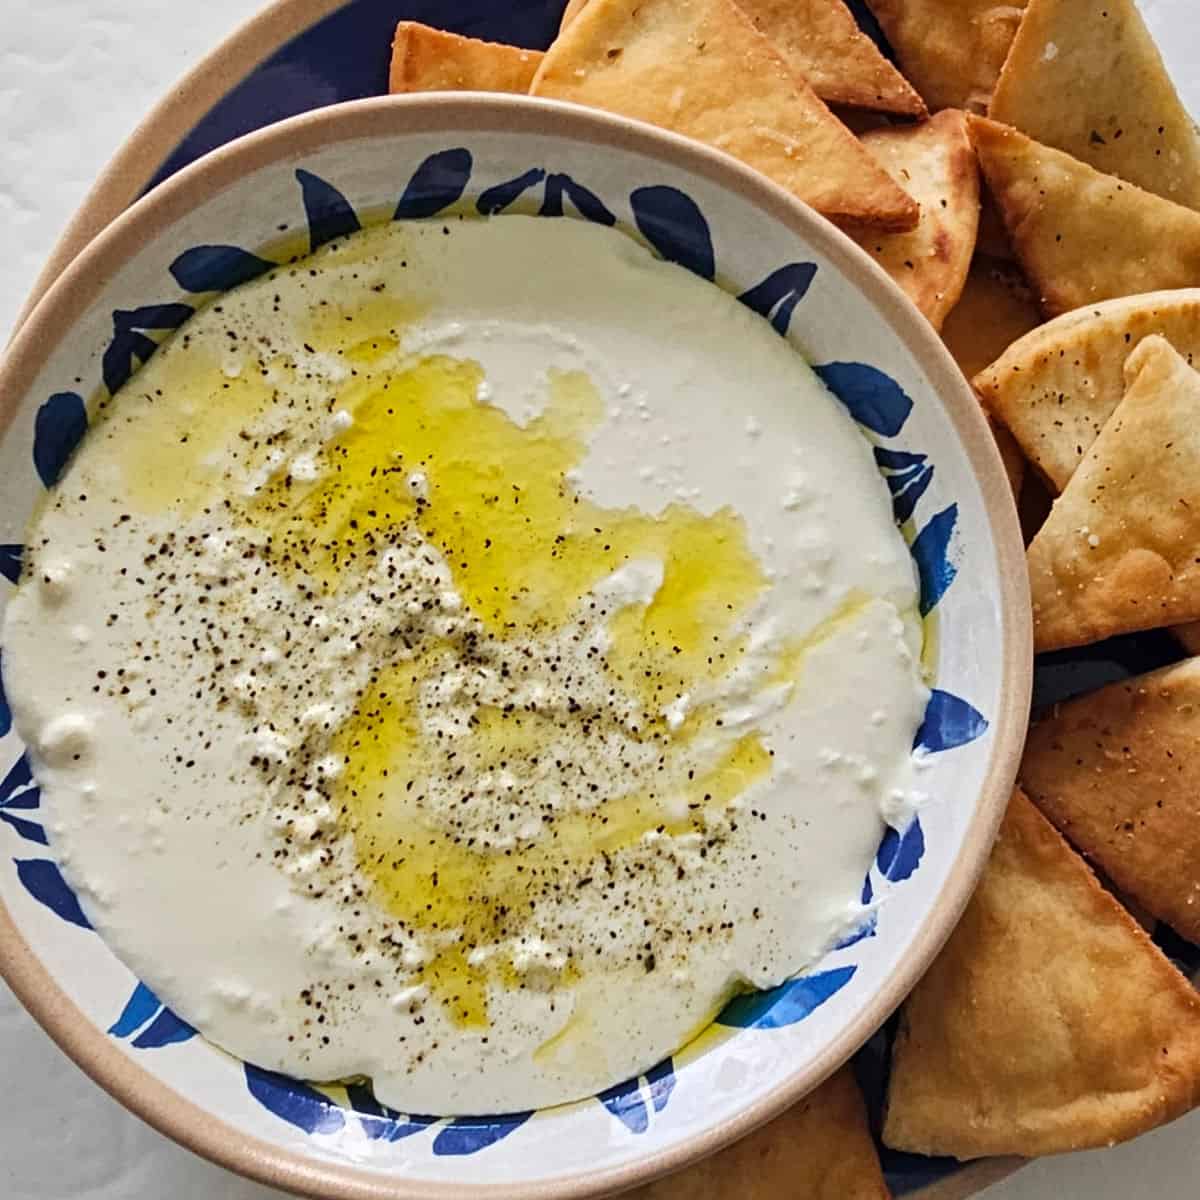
{"x":1083,"y":236}
{"x":1049,"y":1022}
{"x":952,"y":50}
{"x":819,"y":1150}
{"x":1087,"y":78}
{"x":1056,"y":387}
{"x":1120,"y":550}
{"x":822,"y":41}
{"x":935,"y":164}
{"x":700,"y":68}
{"x":995,"y":308}
{"x":1118,"y":771}
{"x":430,"y":60}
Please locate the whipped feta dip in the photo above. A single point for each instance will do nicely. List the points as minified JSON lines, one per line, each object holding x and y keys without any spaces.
{"x":465,"y":658}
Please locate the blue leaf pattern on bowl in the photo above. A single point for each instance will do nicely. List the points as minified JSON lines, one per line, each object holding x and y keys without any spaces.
{"x":469,"y":1135}
{"x":874,"y":400}
{"x":296,"y":1103}
{"x":786,"y":1004}
{"x":777,"y":296}
{"x":382,"y":1124}
{"x":327,"y":211}
{"x":500,"y":196}
{"x":671,"y":221}
{"x":900,"y":854}
{"x":931,"y":551}
{"x":435,"y":185}
{"x":131,"y":346}
{"x":44,"y":882}
{"x":18,"y":793}
{"x":587,"y":203}
{"x":631,"y":1103}
{"x":158,"y":1024}
{"x":217,"y":268}
{"x":5,"y":711}
{"x":138,"y":1010}
{"x":58,"y":427}
{"x":949,"y":722}
{"x":10,"y":562}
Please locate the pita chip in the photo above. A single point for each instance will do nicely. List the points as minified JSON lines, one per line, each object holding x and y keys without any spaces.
{"x":821,"y":40}
{"x":573,"y":9}
{"x":1188,"y":636}
{"x":935,"y":164}
{"x":430,"y":60}
{"x":1087,"y":78}
{"x":1050,"y":1021}
{"x":700,"y":68}
{"x":1118,"y":772}
{"x":819,"y":1150}
{"x":1080,"y":235}
{"x":1056,"y":387}
{"x":952,"y":50}
{"x":1120,"y":550}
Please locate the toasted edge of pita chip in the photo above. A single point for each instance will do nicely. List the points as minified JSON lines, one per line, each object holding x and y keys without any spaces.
{"x":700,"y":68}
{"x":1080,"y":235}
{"x":431,"y":60}
{"x":820,"y":1149}
{"x":951,"y":50}
{"x":1049,"y":1022}
{"x":935,"y":164}
{"x":1118,"y":551}
{"x":573,"y":9}
{"x":1188,"y":636}
{"x":821,"y":40}
{"x":1057,"y":386}
{"x":1087,"y":78}
{"x":1118,"y":772}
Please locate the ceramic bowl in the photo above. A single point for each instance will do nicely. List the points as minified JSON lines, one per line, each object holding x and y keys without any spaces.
{"x":211,"y":227}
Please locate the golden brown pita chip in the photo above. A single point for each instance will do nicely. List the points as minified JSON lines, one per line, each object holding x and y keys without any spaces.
{"x":1188,"y":636}
{"x":430,"y":60}
{"x":821,"y":40}
{"x":700,"y":68}
{"x":1049,"y":1022}
{"x":1056,"y":387}
{"x":1120,"y":550}
{"x":1083,"y":236}
{"x":573,"y":9}
{"x":1118,"y":772}
{"x":935,"y":164}
{"x":952,"y":50}
{"x":1087,"y":78}
{"x":819,"y":1150}
{"x":996,"y":307}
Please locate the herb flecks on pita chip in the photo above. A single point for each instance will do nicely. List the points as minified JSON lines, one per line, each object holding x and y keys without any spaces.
{"x":430,"y":60}
{"x":952,"y":50}
{"x":1080,"y":235}
{"x":935,"y":164}
{"x":819,"y":1150}
{"x":1118,"y":772}
{"x":1120,"y":550}
{"x":821,"y":40}
{"x":1050,"y":1021}
{"x":1056,"y":387}
{"x":1087,"y":78}
{"x":700,"y":68}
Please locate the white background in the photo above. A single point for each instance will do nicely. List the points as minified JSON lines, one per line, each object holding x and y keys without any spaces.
{"x":75,"y":77}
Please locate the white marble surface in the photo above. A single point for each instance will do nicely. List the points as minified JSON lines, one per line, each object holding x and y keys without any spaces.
{"x":63,"y":112}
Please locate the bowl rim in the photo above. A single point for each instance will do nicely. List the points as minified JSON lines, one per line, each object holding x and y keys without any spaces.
{"x":184,"y":1121}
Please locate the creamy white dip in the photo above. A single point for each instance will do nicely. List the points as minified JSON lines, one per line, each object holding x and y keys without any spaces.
{"x":466,"y":657}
